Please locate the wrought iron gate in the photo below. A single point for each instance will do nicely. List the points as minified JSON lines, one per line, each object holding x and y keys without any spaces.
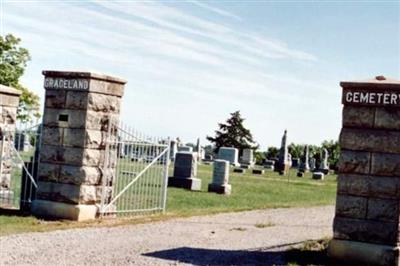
{"x":19,"y":152}
{"x":135,"y":173}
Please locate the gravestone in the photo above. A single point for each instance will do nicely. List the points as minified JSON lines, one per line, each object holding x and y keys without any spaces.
{"x":366,"y":224}
{"x":313,"y":163}
{"x":9,"y":100}
{"x":283,"y":164}
{"x":295,"y":162}
{"x":220,"y":178}
{"x":324,"y":167}
{"x":248,"y":157}
{"x":173,"y":150}
{"x":269,"y":164}
{"x":258,"y":172}
{"x":239,"y":170}
{"x":305,"y":166}
{"x":185,"y":149}
{"x":318,"y":176}
{"x":229,"y":154}
{"x":185,"y":172}
{"x":79,"y":109}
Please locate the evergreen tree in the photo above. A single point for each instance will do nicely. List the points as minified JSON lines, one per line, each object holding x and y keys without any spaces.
{"x":232,"y":133}
{"x":13,"y":59}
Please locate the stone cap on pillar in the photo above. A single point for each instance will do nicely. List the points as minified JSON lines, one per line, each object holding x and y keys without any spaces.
{"x":9,"y":90}
{"x":378,"y":81}
{"x":83,"y":81}
{"x":377,"y":92}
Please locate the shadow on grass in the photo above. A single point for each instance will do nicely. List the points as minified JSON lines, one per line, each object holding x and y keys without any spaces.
{"x":13,"y":212}
{"x":281,"y":255}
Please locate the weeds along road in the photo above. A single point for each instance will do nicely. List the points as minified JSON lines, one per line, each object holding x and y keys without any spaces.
{"x":252,"y":237}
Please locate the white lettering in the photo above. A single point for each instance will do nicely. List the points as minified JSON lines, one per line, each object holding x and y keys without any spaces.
{"x":386,"y":98}
{"x":349,"y":97}
{"x":61,"y":83}
{"x":393,"y":99}
{"x":364,"y":97}
{"x":379,"y":97}
{"x":372,"y":98}
{"x":356,"y":96}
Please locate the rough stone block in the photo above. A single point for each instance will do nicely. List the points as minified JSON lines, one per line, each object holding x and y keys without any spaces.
{"x":357,"y":185}
{"x":103,"y":103}
{"x":358,"y":116}
{"x":110,"y":88}
{"x":387,"y":118}
{"x":76,"y":100}
{"x":9,"y":100}
{"x":84,"y":138}
{"x":351,"y":206}
{"x":370,"y":140}
{"x":385,"y":164}
{"x":385,"y":187}
{"x":383,"y":210}
{"x":51,"y":209}
{"x":80,"y":175}
{"x":71,"y":156}
{"x":52,"y":118}
{"x":55,"y":99}
{"x":66,"y":193}
{"x":365,"y":230}
{"x":48,"y":172}
{"x":52,"y":136}
{"x":9,"y":114}
{"x":355,"y":162}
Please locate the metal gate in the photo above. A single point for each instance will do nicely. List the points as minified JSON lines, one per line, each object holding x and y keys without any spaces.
{"x":19,"y":154}
{"x":135,"y":173}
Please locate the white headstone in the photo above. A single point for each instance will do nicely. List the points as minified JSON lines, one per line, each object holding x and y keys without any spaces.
{"x":229,"y":154}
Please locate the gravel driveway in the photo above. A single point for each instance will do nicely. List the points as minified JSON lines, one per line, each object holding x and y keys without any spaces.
{"x":251,"y":238}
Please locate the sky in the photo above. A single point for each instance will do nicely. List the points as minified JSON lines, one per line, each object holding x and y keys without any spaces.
{"x":189,"y":64}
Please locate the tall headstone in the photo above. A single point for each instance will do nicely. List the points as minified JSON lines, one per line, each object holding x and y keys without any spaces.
{"x":185,"y":149}
{"x":248,"y":157}
{"x":173,"y":150}
{"x":324,"y":167}
{"x":366,"y":224}
{"x":185,"y":172}
{"x":198,"y":147}
{"x":9,"y":100}
{"x":283,"y":164}
{"x":313,"y":163}
{"x":79,"y":109}
{"x":220,"y":178}
{"x":305,"y":166}
{"x":229,"y":154}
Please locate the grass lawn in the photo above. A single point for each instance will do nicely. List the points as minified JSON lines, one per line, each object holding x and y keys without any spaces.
{"x":249,"y":192}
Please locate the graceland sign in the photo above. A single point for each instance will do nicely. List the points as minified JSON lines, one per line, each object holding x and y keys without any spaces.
{"x":66,"y":83}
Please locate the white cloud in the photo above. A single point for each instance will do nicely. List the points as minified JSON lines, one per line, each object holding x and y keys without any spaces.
{"x":215,"y":10}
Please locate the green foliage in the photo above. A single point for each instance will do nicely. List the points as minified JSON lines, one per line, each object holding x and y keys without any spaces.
{"x":296,"y":150}
{"x":233,"y":134}
{"x":272,"y":152}
{"x":260,"y":157}
{"x":333,"y":148}
{"x":13,"y":60}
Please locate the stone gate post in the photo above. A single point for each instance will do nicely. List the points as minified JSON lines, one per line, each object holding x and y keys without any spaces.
{"x":78,"y":108}
{"x":366,"y":224}
{"x":9,"y":100}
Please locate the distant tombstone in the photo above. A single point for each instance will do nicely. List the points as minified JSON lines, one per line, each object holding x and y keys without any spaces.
{"x":198,"y":147}
{"x":208,"y":157}
{"x":295,"y":162}
{"x":312,"y":163}
{"x":305,"y":165}
{"x":283,"y":164}
{"x":229,"y":154}
{"x":248,"y":157}
{"x":185,"y":172}
{"x":220,"y":178}
{"x":239,"y":170}
{"x":269,"y":164}
{"x":318,"y":176}
{"x":185,"y":149}
{"x":258,"y":172}
{"x":324,"y":167}
{"x":173,"y":150}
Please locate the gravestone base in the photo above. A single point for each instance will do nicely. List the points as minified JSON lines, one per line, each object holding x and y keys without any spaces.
{"x":283,"y":169}
{"x":318,"y":176}
{"x":300,"y":174}
{"x":193,"y":184}
{"x":6,"y":195}
{"x":258,"y":172}
{"x":59,"y":210}
{"x":269,"y":167}
{"x":239,"y":170}
{"x":245,"y":166}
{"x":220,"y":189}
{"x":362,"y":253}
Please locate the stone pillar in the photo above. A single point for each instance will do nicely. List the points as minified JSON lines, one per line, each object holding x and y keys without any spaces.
{"x":324,"y":167}
{"x":305,"y":166}
{"x":173,"y":150}
{"x":185,"y":172}
{"x":78,"y":109}
{"x":220,"y":178}
{"x":283,"y":164}
{"x":9,"y":100}
{"x":366,"y":225}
